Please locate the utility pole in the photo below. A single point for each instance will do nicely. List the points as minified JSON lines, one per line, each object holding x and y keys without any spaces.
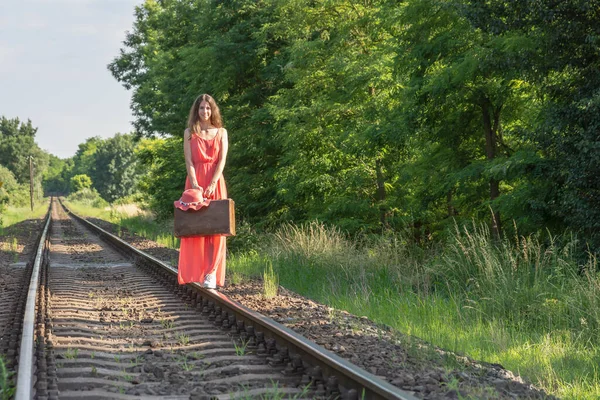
{"x":31,"y":181}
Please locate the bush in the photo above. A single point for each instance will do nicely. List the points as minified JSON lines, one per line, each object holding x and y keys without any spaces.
{"x":8,"y":184}
{"x":135,"y":198}
{"x":88,"y":196}
{"x":80,"y":182}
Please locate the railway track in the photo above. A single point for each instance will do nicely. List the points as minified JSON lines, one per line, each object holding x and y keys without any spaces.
{"x":104,"y":320}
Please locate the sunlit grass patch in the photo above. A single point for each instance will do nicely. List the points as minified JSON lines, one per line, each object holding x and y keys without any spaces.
{"x":14,"y":215}
{"x":86,"y":210}
{"x":270,"y":281}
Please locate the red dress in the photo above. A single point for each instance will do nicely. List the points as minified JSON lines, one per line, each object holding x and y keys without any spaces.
{"x":199,"y":256}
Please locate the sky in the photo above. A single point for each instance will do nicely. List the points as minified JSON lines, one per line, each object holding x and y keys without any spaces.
{"x":53,"y":58}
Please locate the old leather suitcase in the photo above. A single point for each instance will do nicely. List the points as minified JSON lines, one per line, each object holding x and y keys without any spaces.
{"x":218,"y":218}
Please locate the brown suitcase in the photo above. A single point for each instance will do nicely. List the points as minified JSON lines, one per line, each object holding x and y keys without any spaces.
{"x":218,"y":218}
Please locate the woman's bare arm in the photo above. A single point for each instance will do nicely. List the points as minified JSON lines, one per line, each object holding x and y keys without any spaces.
{"x":189,"y":166}
{"x":220,"y":165}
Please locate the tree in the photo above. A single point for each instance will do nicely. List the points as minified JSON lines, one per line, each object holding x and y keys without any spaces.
{"x":165,"y":173}
{"x":565,"y":63}
{"x":467,"y":96}
{"x":115,"y":173}
{"x":17,"y":144}
{"x":79,"y":182}
{"x":376,"y":114}
{"x":178,"y":50}
{"x":273,"y":54}
{"x":8,"y":183}
{"x":332,"y":114}
{"x":84,"y":159}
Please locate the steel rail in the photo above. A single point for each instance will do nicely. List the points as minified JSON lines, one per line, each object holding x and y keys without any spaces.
{"x":350,"y":376}
{"x":25,"y":364}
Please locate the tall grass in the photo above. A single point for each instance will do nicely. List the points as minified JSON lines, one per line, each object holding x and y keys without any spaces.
{"x":524,"y":302}
{"x":270,"y":281}
{"x":530,"y":285}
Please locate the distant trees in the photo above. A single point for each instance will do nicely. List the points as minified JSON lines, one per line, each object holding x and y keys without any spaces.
{"x":54,"y":181}
{"x":17,"y":147}
{"x":115,"y":172}
{"x":17,"y":144}
{"x":164,"y":173}
{"x":8,"y":184}
{"x":108,"y":165}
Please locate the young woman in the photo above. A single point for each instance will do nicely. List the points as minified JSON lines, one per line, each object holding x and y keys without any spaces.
{"x":202,"y":259}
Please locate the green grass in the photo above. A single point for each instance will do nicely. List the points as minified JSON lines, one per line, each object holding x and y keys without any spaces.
{"x":148,"y":228}
{"x":14,"y":215}
{"x":520,"y":303}
{"x":89,"y":211}
{"x":270,"y":281}
{"x":240,"y":348}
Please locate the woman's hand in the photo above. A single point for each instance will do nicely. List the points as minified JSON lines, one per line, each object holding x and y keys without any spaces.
{"x":210,"y":190}
{"x":195,"y":185}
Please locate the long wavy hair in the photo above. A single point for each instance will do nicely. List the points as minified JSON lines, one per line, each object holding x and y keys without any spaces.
{"x":194,"y":119}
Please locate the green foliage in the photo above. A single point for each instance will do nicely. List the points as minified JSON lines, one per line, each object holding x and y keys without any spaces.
{"x":469,"y":100}
{"x":165,"y":173}
{"x":374,"y":115}
{"x":9,"y":184}
{"x":333,"y":116}
{"x":84,"y":160}
{"x":17,"y":144}
{"x":54,"y":177}
{"x":267,"y":36}
{"x":88,"y":196}
{"x":115,"y":172}
{"x":564,"y":63}
{"x":110,"y":166}
{"x":175,"y":52}
{"x":14,"y":194}
{"x":17,"y":149}
{"x":79,"y":182}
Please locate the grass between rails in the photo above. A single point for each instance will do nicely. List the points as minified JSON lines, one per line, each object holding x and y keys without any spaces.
{"x":524,"y":302}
